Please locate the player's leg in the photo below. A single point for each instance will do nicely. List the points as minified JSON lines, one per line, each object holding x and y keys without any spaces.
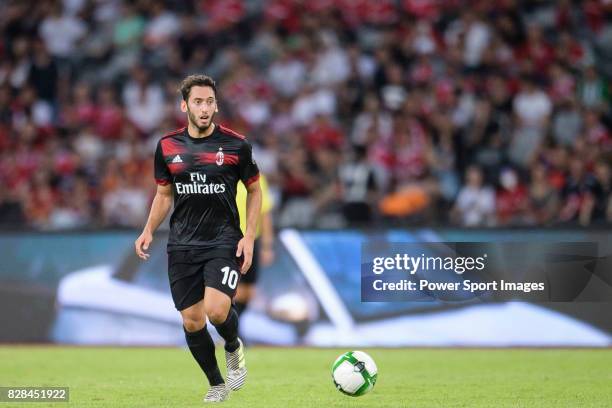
{"x":202,"y":348}
{"x":220,"y":313}
{"x":200,"y":343}
{"x":221,"y":276}
{"x":225,"y":319}
{"x":188,"y":296}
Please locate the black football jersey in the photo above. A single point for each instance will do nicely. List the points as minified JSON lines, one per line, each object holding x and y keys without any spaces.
{"x":204,"y":173}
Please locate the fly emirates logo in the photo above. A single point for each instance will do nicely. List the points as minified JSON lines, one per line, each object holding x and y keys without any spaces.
{"x":198,"y":185}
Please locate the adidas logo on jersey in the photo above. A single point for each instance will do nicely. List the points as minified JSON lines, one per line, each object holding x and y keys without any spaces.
{"x":177,"y":159}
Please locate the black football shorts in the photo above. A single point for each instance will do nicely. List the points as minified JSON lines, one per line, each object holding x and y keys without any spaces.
{"x":190,"y":272}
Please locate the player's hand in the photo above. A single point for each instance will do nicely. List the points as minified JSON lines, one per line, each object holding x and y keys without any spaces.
{"x":142,"y":244}
{"x":245,"y":248}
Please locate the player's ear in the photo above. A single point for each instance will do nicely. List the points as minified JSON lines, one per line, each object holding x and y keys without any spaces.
{"x":183,"y":106}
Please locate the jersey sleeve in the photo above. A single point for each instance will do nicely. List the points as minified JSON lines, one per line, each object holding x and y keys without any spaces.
{"x":249,"y":172}
{"x":162,"y":173}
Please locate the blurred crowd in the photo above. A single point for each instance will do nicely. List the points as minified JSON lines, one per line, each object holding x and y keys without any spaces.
{"x":422,"y":112}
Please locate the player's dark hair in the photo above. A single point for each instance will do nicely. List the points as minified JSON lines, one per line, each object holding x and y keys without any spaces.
{"x":196,"y":80}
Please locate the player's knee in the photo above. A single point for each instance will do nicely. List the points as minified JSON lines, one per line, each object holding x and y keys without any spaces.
{"x":216,"y":314}
{"x":193,"y":323}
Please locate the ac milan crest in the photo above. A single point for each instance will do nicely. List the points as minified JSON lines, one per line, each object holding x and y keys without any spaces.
{"x":219,"y":157}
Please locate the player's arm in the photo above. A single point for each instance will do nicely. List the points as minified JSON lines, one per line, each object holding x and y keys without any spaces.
{"x":162,"y":202}
{"x":253,"y":210}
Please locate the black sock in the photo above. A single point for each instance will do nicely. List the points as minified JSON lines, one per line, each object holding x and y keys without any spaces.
{"x":240,"y":307}
{"x":229,"y":330}
{"x":202,"y":348}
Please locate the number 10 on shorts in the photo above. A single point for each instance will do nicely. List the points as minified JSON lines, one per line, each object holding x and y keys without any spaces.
{"x":230,"y":277}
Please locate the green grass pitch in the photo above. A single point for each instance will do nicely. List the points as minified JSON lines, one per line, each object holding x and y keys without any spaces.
{"x":300,"y":377}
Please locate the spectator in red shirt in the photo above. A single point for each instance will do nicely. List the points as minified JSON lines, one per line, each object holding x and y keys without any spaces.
{"x":536,"y":49}
{"x":322,"y":133}
{"x":110,"y":118}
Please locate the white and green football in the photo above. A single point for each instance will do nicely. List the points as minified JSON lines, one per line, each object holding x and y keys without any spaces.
{"x":354,"y":373}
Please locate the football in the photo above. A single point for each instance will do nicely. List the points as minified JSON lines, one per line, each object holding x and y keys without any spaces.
{"x":354,"y":373}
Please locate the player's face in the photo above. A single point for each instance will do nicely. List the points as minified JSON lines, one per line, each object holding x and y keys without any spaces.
{"x":201,"y":107}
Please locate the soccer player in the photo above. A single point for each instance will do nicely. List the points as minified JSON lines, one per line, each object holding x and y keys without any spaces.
{"x":263,"y":252}
{"x":197,"y":168}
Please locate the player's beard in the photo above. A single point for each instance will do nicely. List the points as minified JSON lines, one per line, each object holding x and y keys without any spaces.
{"x":193,"y":119}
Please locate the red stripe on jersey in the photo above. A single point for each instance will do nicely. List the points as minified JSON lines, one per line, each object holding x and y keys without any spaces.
{"x":162,"y":182}
{"x":211,"y":157}
{"x":252,"y":180}
{"x":205,"y":157}
{"x":230,"y":159}
{"x":176,"y":168}
{"x":230,"y":132}
{"x":171,"y":147}
{"x":176,"y":132}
